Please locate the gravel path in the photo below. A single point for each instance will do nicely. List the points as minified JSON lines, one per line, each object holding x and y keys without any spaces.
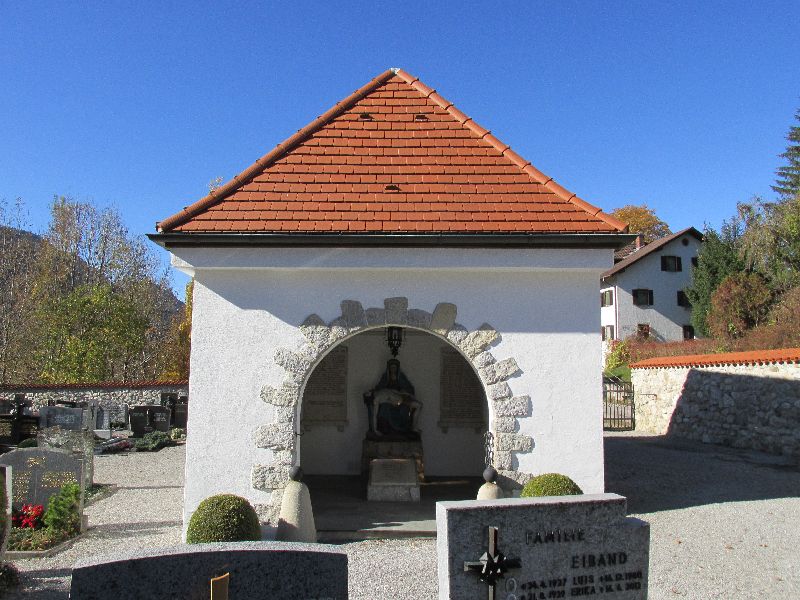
{"x":724,"y":524}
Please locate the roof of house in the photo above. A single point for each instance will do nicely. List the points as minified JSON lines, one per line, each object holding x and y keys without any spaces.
{"x":751,"y":357}
{"x":393,"y":157}
{"x":649,"y":249}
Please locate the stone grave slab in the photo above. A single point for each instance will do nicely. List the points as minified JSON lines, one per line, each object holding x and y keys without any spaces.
{"x":61,"y":416}
{"x":393,"y":480}
{"x":555,"y":547}
{"x":258,"y":570}
{"x":80,"y":443}
{"x":147,"y":418}
{"x":160,"y":417}
{"x":6,"y":476}
{"x":39,"y":473}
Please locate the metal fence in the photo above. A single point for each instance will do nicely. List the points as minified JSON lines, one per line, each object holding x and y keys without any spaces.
{"x":619,"y":413}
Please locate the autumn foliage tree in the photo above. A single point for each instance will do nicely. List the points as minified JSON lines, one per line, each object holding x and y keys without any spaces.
{"x":641,"y":219}
{"x":741,"y":302}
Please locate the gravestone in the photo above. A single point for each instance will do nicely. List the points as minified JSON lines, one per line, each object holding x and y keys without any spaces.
{"x":39,"y":474}
{"x":103,"y":420}
{"x":147,"y":418}
{"x":80,"y":443}
{"x":257,"y":571}
{"x":393,"y":480}
{"x":180,"y":414}
{"x":5,"y":482}
{"x":554,"y":547}
{"x":61,"y":416}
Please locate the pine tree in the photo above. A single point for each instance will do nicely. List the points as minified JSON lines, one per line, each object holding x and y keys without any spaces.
{"x":788,"y":180}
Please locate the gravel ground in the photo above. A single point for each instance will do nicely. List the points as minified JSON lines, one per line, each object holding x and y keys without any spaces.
{"x":724,"y":523}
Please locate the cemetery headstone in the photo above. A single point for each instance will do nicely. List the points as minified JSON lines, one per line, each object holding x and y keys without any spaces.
{"x":61,"y":416}
{"x":80,"y":443}
{"x":5,"y":483}
{"x":534,"y":548}
{"x":39,"y":474}
{"x":257,"y":570}
{"x":180,"y":414}
{"x":147,"y":418}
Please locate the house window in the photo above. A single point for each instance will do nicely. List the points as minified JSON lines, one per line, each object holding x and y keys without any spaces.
{"x":642,"y":297}
{"x":643,"y":330}
{"x":607,"y":298}
{"x":607,"y":331}
{"x":688,"y":332}
{"x":671,"y":263}
{"x":683,"y":300}
{"x":694,"y":261}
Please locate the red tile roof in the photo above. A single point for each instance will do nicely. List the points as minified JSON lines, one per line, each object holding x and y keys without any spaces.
{"x":751,"y":357}
{"x":636,"y":255}
{"x":394,"y":156}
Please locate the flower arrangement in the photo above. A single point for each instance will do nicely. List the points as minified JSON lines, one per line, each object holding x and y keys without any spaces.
{"x":28,"y":517}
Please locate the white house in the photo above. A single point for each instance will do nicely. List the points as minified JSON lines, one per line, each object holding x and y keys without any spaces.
{"x":393,"y":217}
{"x":644,"y":294}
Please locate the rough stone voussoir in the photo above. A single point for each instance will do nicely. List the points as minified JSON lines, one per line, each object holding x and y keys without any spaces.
{"x":419,"y":318}
{"x":518,"y":406}
{"x":283,"y":414}
{"x":283,"y":457}
{"x":499,"y":391}
{"x":513,"y":442}
{"x":396,"y":311}
{"x":353,"y":314}
{"x":496,"y":372}
{"x":316,"y":331}
{"x":286,"y":395}
{"x":269,"y":477}
{"x":484,"y":359}
{"x":457,"y":334}
{"x":505,"y":424}
{"x":277,"y":436}
{"x":477,"y":341}
{"x":339,"y":329}
{"x":503,"y":460}
{"x":443,"y":318}
{"x":376,"y":316}
{"x":297,"y":365}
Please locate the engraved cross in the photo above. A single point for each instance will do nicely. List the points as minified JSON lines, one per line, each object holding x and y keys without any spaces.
{"x":492,"y":565}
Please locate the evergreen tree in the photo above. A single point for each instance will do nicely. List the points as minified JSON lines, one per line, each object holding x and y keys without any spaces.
{"x":717,"y":258}
{"x":788,"y":180}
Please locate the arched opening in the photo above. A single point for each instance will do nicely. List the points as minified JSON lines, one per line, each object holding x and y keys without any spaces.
{"x":341,"y":434}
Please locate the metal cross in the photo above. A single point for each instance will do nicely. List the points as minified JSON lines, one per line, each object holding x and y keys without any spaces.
{"x":493,"y":565}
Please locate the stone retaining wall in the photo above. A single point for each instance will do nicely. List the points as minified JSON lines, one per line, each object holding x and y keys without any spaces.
{"x":109,"y":396}
{"x":741,"y":405}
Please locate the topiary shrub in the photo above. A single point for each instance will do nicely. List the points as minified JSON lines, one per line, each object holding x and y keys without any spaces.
{"x":28,"y":443}
{"x":223,"y":518}
{"x":63,"y":511}
{"x":550,"y":484}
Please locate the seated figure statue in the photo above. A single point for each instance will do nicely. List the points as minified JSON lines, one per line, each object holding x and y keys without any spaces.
{"x":394,"y":409}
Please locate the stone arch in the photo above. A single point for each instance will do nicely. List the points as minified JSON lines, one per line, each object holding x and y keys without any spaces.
{"x":321,"y":337}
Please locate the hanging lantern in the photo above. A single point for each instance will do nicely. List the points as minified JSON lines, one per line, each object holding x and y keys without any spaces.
{"x":394,"y":337}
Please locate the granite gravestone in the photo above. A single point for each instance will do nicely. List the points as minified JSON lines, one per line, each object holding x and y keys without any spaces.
{"x":180,"y":414}
{"x":258,"y":570}
{"x":147,"y":418}
{"x":5,"y":483}
{"x":61,"y":416}
{"x":80,"y":443}
{"x":541,"y":548}
{"x":39,"y":474}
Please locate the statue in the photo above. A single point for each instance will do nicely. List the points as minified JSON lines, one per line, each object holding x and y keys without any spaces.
{"x":392,"y":406}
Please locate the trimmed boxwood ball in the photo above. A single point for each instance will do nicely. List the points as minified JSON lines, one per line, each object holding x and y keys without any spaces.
{"x":550,"y":484}
{"x":223,"y":518}
{"x":28,"y":443}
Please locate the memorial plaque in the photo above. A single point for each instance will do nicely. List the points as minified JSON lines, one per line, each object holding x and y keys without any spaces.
{"x":393,"y":480}
{"x":60,"y":416}
{"x":39,"y":474}
{"x":535,"y":548}
{"x":462,"y":401}
{"x":325,"y":396}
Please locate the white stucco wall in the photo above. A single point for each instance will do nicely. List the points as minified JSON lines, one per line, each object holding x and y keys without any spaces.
{"x":248,"y":302}
{"x":326,"y":450}
{"x":665,"y":317}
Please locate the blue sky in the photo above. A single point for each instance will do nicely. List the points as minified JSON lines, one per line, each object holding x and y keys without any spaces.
{"x":683,"y":106}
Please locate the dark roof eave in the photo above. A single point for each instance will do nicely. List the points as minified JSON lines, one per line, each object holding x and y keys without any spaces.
{"x":406,"y":240}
